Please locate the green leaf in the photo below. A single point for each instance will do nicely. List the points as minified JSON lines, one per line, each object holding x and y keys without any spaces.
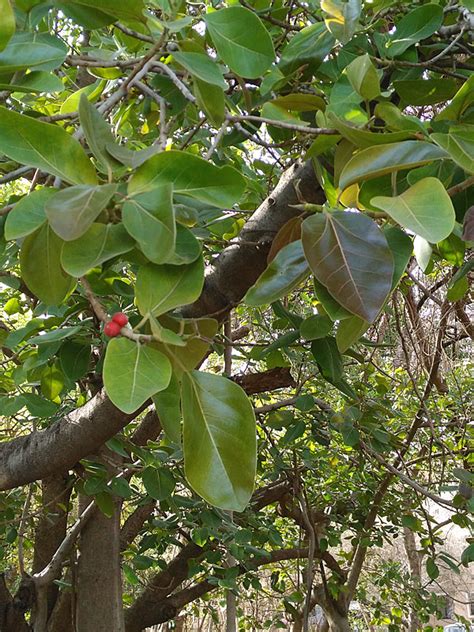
{"x":7,"y":23}
{"x":41,"y":267}
{"x":241,"y":40}
{"x":377,"y":161}
{"x":362,"y":137}
{"x":28,"y":214}
{"x":308,"y":47}
{"x":133,"y":373}
{"x":74,"y":360}
{"x":349,"y":332}
{"x":123,"y":10}
{"x":39,"y":407}
{"x":348,"y":253}
{"x":211,"y":99}
{"x":425,"y":208}
{"x":423,"y":251}
{"x":97,"y":133}
{"x":45,"y":146}
{"x":129,"y":157}
{"x":330,"y":306}
{"x":344,"y":16}
{"x":105,"y":502}
{"x":120,"y":487}
{"x":202,"y":67}
{"x":55,"y":335}
{"x":149,"y":218}
{"x":457,"y":290}
{"x":286,"y":271}
{"x":432,"y":568}
{"x":198,"y":335}
{"x":100,"y":243}
{"x":52,"y":382}
{"x":418,"y":24}
{"x":190,"y":175}
{"x":160,"y":289}
{"x":459,"y":143}
{"x":159,"y":483}
{"x":72,"y":211}
{"x":468,"y":555}
{"x":316,"y":326}
{"x":300,"y":102}
{"x":219,"y":440}
{"x":36,"y":81}
{"x":167,"y":404}
{"x":187,"y":247}
{"x":37,"y":51}
{"x":460,"y":103}
{"x":328,"y":358}
{"x":402,"y":248}
{"x":363,"y":77}
{"x":425,"y":92}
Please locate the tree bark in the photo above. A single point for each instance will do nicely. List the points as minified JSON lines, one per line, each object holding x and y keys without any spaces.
{"x":414,"y":562}
{"x":57,"y":449}
{"x":239,"y":266}
{"x":51,"y":528}
{"x":99,"y":582}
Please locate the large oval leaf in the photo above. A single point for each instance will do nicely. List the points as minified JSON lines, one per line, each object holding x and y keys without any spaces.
{"x":168,"y":407}
{"x":41,"y":267}
{"x":241,"y":40}
{"x":287,"y":270}
{"x":377,"y":161}
{"x":219,"y":439}
{"x":191,"y":175}
{"x":348,"y":253}
{"x":459,"y":143}
{"x":149,"y":218}
{"x":133,"y":373}
{"x":425,"y":208}
{"x":37,"y":51}
{"x":7,"y":23}
{"x":45,"y":146}
{"x":100,"y":243}
{"x":28,"y":214}
{"x":160,"y":289}
{"x":202,"y":67}
{"x":413,"y":27}
{"x":197,"y":335}
{"x":72,"y":211}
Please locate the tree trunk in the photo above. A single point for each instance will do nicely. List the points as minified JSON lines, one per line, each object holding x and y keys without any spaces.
{"x":414,"y":563}
{"x":99,"y":582}
{"x":338,"y":622}
{"x":51,"y":528}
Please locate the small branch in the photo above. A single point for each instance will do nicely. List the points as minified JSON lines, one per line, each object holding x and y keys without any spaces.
{"x":216,"y":140}
{"x":406,"y":479}
{"x":176,"y":80}
{"x":53,"y":569}
{"x":102,"y":315}
{"x":21,"y":526}
{"x":135,"y":34}
{"x":457,"y":188}
{"x":318,"y":131}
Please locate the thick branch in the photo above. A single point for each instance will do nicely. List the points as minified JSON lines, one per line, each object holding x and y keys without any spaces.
{"x":62,"y":445}
{"x":238,"y":266}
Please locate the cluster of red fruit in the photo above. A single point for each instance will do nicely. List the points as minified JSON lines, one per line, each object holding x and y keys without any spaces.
{"x":114,"y":326}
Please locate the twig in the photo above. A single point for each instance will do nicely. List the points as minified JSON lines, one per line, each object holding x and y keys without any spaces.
{"x":319,"y":131}
{"x":176,"y":80}
{"x":135,"y":34}
{"x":26,"y":506}
{"x":457,"y":188}
{"x":216,"y":140}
